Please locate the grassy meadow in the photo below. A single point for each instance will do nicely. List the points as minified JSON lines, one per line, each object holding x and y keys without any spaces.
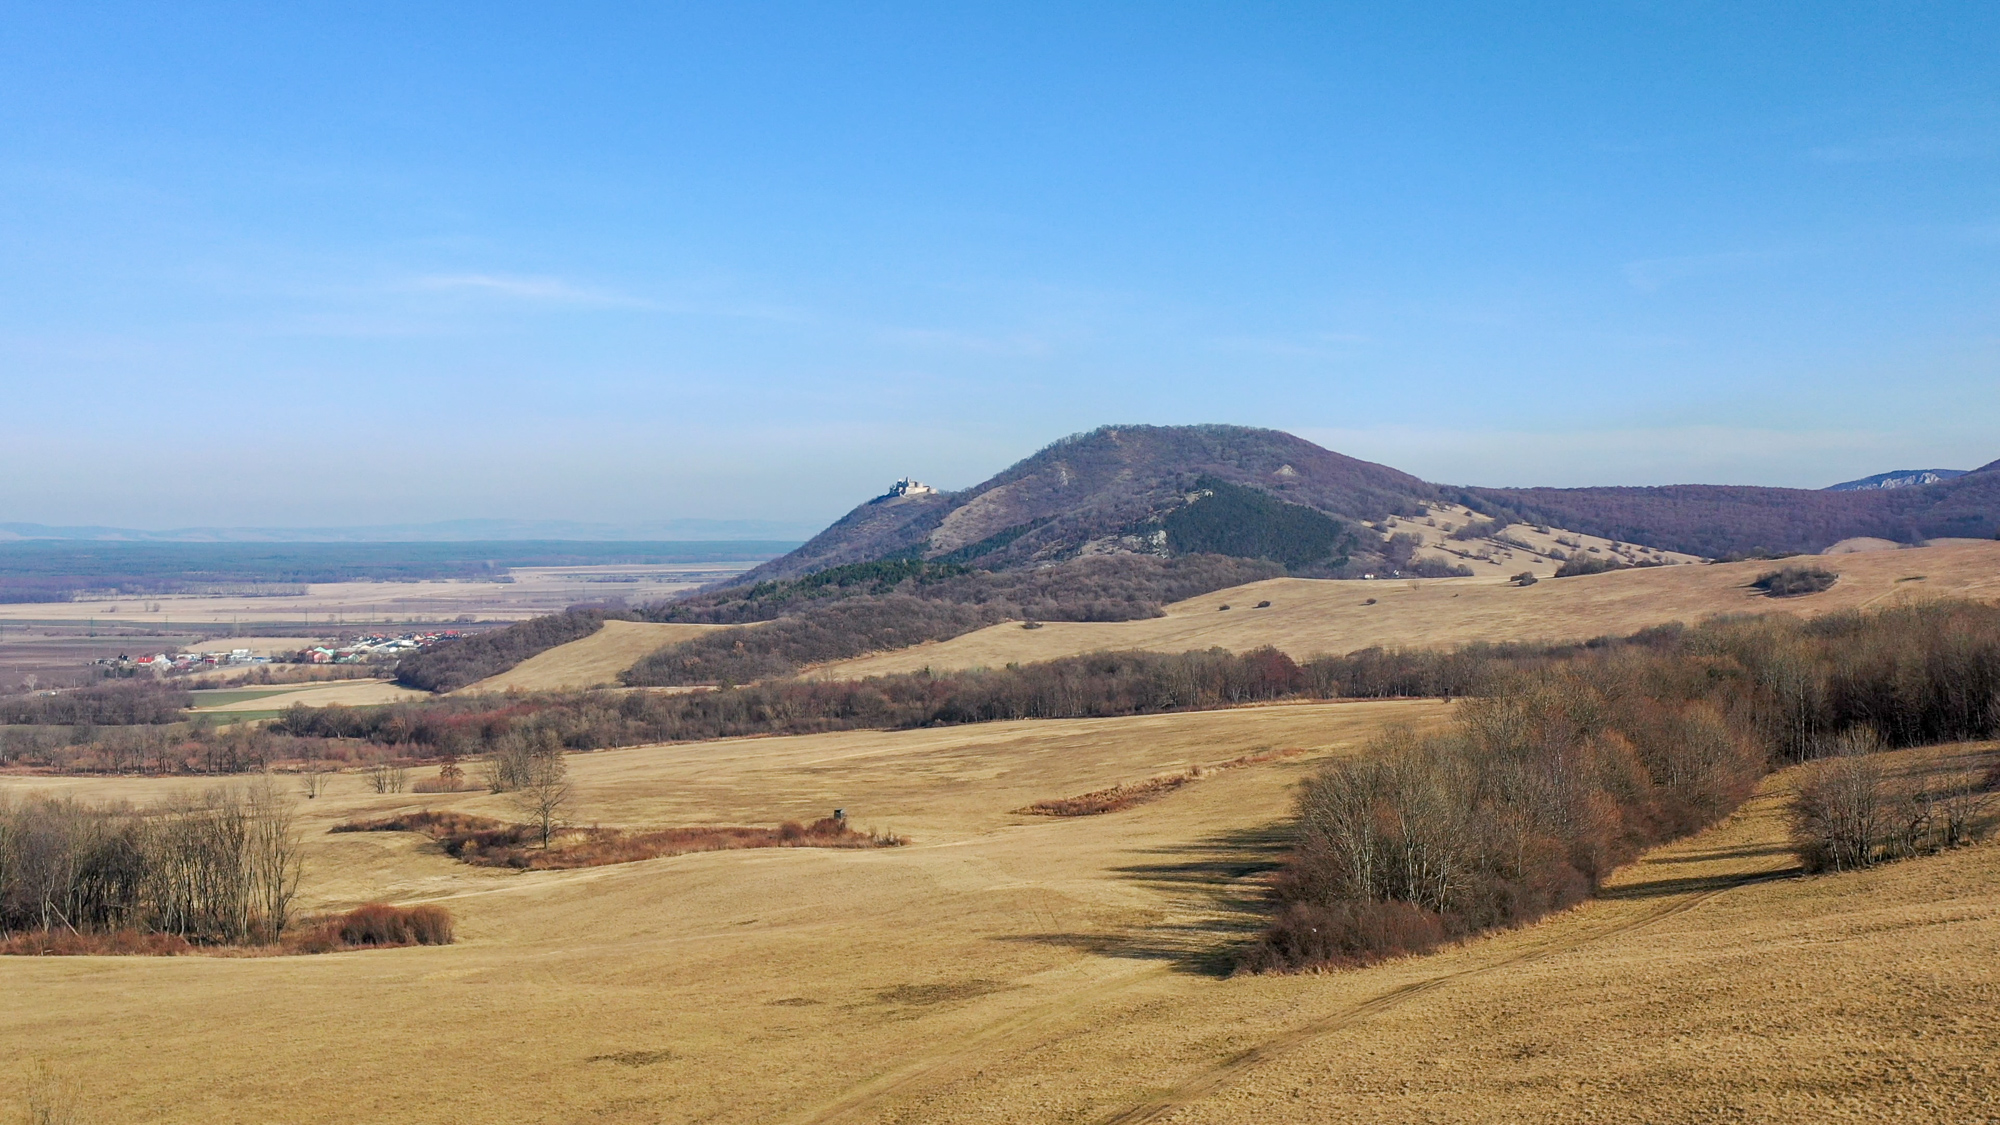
{"x":1004,"y":967}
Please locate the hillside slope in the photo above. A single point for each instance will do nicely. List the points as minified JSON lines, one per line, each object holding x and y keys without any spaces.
{"x":1307,"y":617}
{"x":1720,"y":521}
{"x":592,"y":661}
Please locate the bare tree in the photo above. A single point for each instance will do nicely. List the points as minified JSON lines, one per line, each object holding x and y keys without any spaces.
{"x":388,"y":777}
{"x":312,"y":778}
{"x":1841,"y":812}
{"x":545,"y":794}
{"x":274,"y":860}
{"x":512,"y":761}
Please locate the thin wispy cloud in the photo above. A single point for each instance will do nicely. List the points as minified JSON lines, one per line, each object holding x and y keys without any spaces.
{"x":1307,"y":345}
{"x":1650,"y":275}
{"x":944,"y":339}
{"x":546,"y":290}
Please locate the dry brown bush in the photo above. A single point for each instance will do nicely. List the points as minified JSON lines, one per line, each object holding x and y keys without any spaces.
{"x":485,"y":842}
{"x":1108,"y":800}
{"x":378,"y":925}
{"x":1795,"y":581}
{"x":1344,"y":935}
{"x":117,"y":943}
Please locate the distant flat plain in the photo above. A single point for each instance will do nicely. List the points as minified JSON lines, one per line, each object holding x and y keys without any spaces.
{"x":534,"y":591}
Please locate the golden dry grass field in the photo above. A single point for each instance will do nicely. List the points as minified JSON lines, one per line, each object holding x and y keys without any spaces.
{"x":1307,"y":617}
{"x":348,"y":693}
{"x":1004,"y":968}
{"x":594,"y":661}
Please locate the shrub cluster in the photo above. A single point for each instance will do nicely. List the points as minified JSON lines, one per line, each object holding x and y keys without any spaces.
{"x":1580,"y":564}
{"x":377,"y":925}
{"x":1478,"y":529}
{"x":485,"y":842}
{"x":1794,"y":581}
{"x":1120,"y":797}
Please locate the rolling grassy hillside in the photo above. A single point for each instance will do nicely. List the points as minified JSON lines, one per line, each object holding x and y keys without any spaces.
{"x":1308,"y":617}
{"x":593,"y":661}
{"x":1032,"y":969}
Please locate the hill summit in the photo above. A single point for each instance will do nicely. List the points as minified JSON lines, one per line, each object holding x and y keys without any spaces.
{"x":1159,"y":490}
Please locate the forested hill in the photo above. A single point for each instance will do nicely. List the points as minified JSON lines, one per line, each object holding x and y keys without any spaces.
{"x":1169,"y":491}
{"x":1720,"y":521}
{"x":1113,"y":490}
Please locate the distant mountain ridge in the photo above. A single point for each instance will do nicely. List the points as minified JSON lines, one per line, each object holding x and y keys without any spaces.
{"x":1897,"y":478}
{"x":1124,"y":489}
{"x":1722,"y":521}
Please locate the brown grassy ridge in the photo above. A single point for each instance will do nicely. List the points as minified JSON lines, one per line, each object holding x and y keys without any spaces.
{"x":486,"y":842}
{"x":1122,"y":796}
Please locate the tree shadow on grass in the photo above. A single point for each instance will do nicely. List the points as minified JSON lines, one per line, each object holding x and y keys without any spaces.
{"x":1692,"y":884}
{"x":1215,"y":902}
{"x":1746,"y":852}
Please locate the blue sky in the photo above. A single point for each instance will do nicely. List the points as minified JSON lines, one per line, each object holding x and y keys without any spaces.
{"x":292,"y":264}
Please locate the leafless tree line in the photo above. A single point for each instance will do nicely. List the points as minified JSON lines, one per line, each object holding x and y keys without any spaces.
{"x":1850,"y":813}
{"x":222,"y":867}
{"x":1570,"y":764}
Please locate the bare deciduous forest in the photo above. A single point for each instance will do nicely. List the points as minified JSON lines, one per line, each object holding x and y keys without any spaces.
{"x":1565,"y":770}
